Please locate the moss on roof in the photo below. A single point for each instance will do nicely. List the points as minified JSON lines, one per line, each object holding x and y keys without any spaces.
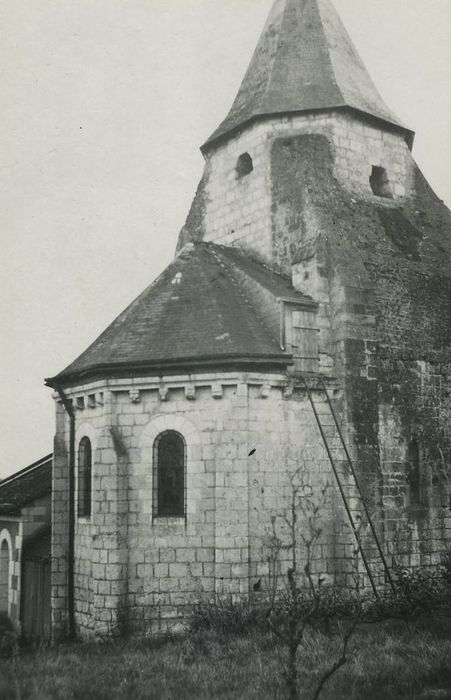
{"x":305,"y":61}
{"x":194,"y":312}
{"x":26,"y":486}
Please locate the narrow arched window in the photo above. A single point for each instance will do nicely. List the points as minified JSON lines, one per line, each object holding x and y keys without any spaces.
{"x":84,"y":478}
{"x":169,"y":475}
{"x":244,"y":166}
{"x":4,"y":576}
{"x":414,"y":473}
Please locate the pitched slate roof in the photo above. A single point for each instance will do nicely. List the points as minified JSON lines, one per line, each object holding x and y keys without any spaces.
{"x":194,"y":314}
{"x":279,"y":285}
{"x":31,"y":483}
{"x":305,"y":61}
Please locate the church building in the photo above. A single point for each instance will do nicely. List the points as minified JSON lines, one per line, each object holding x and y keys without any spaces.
{"x":303,"y":328}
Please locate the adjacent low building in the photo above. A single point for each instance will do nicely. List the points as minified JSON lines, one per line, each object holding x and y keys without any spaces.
{"x":25,"y":524}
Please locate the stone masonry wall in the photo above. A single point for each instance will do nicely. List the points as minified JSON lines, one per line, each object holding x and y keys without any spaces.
{"x":35,"y":516}
{"x":60,"y":514}
{"x":245,"y":436}
{"x":11,"y":532}
{"x":415,"y":406}
{"x":362,"y":258}
{"x":380,"y":271}
{"x":238,"y":211}
{"x":16,"y":530}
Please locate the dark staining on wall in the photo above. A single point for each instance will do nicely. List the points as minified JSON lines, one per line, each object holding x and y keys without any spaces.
{"x":405,"y":237}
{"x":387,"y":264}
{"x":301,"y":166}
{"x":419,"y":395}
{"x":392,"y":324}
{"x":119,"y":445}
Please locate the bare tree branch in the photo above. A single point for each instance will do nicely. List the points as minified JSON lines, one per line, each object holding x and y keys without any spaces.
{"x":339,"y":663}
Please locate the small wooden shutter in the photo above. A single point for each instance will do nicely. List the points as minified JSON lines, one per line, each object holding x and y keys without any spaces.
{"x":302,"y":337}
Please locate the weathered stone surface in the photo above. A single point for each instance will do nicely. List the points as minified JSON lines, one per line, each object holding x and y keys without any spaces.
{"x":379,"y":270}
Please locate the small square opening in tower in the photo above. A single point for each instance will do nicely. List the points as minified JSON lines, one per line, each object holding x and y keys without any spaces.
{"x":244,"y":166}
{"x":380,"y":185}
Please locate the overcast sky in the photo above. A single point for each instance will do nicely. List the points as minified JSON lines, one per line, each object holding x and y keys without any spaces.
{"x":104,"y":104}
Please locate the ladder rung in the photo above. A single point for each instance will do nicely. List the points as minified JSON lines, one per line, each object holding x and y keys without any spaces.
{"x":354,"y":503}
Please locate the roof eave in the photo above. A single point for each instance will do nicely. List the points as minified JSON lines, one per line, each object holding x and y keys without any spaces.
{"x":12,"y":512}
{"x":299,"y":301}
{"x":221,"y":135}
{"x":158,"y":367}
{"x":26,"y":470}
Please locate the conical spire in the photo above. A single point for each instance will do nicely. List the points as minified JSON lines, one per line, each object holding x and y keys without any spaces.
{"x":305,"y":61}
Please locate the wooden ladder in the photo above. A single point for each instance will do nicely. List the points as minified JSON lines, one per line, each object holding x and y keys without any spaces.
{"x":333,"y":461}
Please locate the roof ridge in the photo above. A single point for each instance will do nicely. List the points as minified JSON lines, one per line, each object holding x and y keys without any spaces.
{"x":219,"y":315}
{"x":239,"y":289}
{"x":252,"y":257}
{"x":26,"y":470}
{"x":274,"y":58}
{"x":329,"y":57}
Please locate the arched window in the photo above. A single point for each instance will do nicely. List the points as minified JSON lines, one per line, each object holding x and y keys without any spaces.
{"x":84,"y":478}
{"x":169,"y":475}
{"x":414,"y":473}
{"x":4,"y":576}
{"x":244,"y":165}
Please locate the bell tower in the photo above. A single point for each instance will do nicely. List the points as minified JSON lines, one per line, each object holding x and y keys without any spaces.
{"x":305,"y":79}
{"x":307,"y":311}
{"x":311,"y":172}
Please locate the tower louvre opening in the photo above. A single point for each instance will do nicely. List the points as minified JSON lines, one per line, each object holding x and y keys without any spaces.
{"x":244,"y":166}
{"x":380,"y":185}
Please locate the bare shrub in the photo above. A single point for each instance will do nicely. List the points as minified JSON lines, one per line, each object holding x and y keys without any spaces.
{"x":300,"y":603}
{"x":8,"y":637}
{"x":225,"y":617}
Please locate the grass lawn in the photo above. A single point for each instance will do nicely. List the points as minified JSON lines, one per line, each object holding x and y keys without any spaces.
{"x":387,"y":661}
